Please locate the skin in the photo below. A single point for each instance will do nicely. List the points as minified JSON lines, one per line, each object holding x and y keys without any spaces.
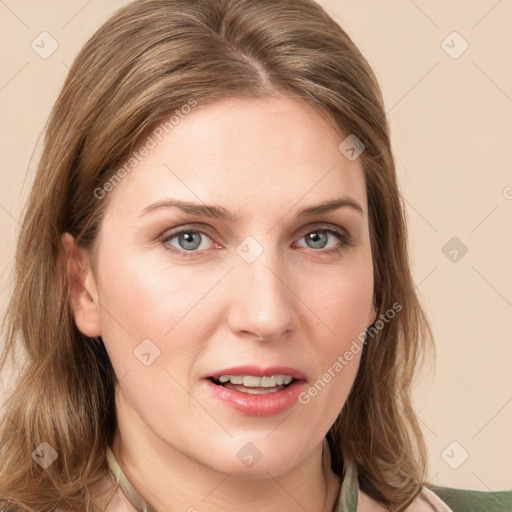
{"x":295,"y":305}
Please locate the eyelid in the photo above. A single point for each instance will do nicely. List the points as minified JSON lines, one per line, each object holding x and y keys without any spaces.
{"x":201,"y":228}
{"x":210,"y":231}
{"x":320,"y":226}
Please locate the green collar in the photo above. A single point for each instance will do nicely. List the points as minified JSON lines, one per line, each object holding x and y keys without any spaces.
{"x":347,"y":501}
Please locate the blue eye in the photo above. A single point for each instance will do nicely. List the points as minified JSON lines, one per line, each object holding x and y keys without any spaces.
{"x":318,"y":239}
{"x":189,"y":242}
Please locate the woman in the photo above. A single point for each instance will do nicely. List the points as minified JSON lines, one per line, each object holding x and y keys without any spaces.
{"x":212,"y":279}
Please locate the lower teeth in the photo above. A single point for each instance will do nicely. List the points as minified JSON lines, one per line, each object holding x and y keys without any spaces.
{"x":252,"y":391}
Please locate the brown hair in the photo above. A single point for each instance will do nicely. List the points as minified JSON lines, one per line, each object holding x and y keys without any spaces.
{"x":145,"y":62}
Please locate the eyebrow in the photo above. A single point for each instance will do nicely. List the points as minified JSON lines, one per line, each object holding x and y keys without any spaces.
{"x":220,"y":213}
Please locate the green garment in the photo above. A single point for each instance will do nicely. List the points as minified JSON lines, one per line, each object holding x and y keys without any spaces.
{"x":462,"y":500}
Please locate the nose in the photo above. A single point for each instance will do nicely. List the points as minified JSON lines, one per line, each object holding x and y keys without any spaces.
{"x":262,"y":305}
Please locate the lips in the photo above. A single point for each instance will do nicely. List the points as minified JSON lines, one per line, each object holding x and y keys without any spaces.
{"x":257,"y":391}
{"x":259,"y":372}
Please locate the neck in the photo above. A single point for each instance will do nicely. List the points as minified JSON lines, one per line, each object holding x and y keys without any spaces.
{"x":170,"y":481}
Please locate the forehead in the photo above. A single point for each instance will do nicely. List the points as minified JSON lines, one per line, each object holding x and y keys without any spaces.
{"x":241,"y":153}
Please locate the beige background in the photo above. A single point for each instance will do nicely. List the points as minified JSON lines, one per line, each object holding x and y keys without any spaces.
{"x":451,"y":122}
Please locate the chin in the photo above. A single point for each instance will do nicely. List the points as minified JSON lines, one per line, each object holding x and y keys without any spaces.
{"x":256,"y":460}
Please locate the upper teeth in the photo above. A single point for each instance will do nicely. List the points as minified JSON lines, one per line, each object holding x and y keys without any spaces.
{"x":257,"y":382}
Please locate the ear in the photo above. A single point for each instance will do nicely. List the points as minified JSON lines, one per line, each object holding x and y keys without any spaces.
{"x":83,"y":294}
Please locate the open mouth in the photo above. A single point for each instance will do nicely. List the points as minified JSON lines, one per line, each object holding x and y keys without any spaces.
{"x":254,"y":385}
{"x":271,"y":391}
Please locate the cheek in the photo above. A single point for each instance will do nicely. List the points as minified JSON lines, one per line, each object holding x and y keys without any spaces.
{"x":342,"y":303}
{"x":143,"y":297}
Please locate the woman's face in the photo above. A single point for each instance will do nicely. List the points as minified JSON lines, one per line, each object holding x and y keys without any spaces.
{"x":259,"y":285}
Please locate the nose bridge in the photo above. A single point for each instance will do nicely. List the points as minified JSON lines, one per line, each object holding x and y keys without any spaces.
{"x":262,"y":304}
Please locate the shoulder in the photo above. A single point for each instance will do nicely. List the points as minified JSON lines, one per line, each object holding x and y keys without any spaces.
{"x":465,"y":500}
{"x":424,"y":501}
{"x":447,"y":499}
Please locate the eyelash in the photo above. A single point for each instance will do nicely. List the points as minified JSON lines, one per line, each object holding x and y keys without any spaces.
{"x":345,"y":239}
